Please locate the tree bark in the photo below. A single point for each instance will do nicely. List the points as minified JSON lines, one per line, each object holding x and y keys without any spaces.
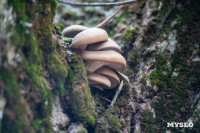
{"x":44,"y":87}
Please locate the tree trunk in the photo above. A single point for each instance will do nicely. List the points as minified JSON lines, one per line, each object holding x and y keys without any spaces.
{"x":44,"y":87}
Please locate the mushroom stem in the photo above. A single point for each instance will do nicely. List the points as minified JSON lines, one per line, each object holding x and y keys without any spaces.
{"x":117,"y":93}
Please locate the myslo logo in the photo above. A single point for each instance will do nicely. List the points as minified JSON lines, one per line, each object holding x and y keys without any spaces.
{"x":179,"y":124}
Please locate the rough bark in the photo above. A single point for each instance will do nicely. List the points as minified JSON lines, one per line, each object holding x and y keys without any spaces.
{"x":44,"y":87}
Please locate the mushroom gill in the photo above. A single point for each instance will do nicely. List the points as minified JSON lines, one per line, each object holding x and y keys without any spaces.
{"x":101,"y":55}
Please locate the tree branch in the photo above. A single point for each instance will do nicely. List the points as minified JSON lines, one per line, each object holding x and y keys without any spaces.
{"x":97,"y":4}
{"x":117,"y":93}
{"x":102,"y":24}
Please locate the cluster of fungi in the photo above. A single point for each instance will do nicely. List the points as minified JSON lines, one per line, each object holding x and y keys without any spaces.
{"x":101,"y":55}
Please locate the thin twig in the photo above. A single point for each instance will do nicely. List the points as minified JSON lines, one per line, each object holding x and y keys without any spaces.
{"x":102,"y":24}
{"x":105,"y":99}
{"x":117,"y":93}
{"x":97,"y":4}
{"x":123,"y":76}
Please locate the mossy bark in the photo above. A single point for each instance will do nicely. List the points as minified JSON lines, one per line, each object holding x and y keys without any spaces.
{"x":29,"y":85}
{"x":78,"y":94}
{"x":168,"y":80}
{"x":162,"y":51}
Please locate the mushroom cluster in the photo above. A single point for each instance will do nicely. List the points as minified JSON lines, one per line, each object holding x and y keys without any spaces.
{"x":101,"y":55}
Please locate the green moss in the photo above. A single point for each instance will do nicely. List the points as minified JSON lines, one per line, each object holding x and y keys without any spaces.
{"x":44,"y":107}
{"x":114,"y":124}
{"x":44,"y":26}
{"x":108,"y":120}
{"x":36,"y":124}
{"x":17,"y":121}
{"x":24,"y":15}
{"x":150,"y":34}
{"x":161,"y":75}
{"x":40,"y":125}
{"x":42,"y":113}
{"x":161,"y":62}
{"x":129,"y":37}
{"x":60,"y":26}
{"x":69,"y":40}
{"x":57,"y":67}
{"x":36,"y":46}
{"x":59,"y":72}
{"x":56,"y":64}
{"x":130,"y":33}
{"x":82,"y":131}
{"x":80,"y":98}
{"x":176,"y":91}
{"x":133,"y":59}
{"x":148,"y":122}
{"x":10,"y":81}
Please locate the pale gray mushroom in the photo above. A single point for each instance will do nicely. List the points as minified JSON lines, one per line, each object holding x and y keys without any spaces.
{"x":97,"y":59}
{"x":106,"y":45}
{"x":89,"y":36}
{"x":110,"y":74}
{"x":73,"y":30}
{"x":94,"y":79}
{"x":101,"y":55}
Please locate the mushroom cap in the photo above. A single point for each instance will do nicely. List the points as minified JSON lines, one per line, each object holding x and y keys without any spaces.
{"x":109,"y":58}
{"x":89,"y":36}
{"x":102,"y":55}
{"x":96,"y":84}
{"x":106,"y":45}
{"x":93,"y":65}
{"x":73,"y":30}
{"x":110,"y":74}
{"x":99,"y":79}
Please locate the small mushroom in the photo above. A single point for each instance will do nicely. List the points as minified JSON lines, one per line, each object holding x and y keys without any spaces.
{"x":73,"y":30}
{"x":95,"y":79}
{"x":106,"y":45}
{"x":110,"y":74}
{"x":109,"y":58}
{"x":89,"y":36}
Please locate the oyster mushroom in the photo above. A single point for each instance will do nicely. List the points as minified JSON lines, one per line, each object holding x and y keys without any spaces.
{"x":95,"y":79}
{"x":97,"y":59}
{"x":110,"y":74}
{"x":73,"y":30}
{"x":101,"y":55}
{"x":89,"y":36}
{"x":106,"y":45}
